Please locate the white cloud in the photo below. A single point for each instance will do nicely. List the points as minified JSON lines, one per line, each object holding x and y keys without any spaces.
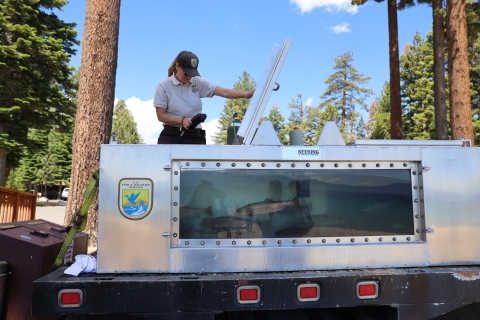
{"x":341,"y":28}
{"x":309,"y":102}
{"x":148,"y":125}
{"x":330,"y":5}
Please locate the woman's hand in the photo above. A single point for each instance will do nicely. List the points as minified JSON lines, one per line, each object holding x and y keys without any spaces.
{"x":186,"y":123}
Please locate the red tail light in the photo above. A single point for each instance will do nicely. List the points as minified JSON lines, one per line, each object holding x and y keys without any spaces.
{"x":248,"y":294}
{"x":308,"y":292}
{"x":70,"y":298}
{"x":367,"y":290}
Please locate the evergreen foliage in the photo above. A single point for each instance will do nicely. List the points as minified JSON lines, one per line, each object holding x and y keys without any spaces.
{"x":416,"y":76}
{"x":244,"y":83}
{"x":35,"y":76}
{"x":124,"y":126}
{"x":345,"y":92}
{"x":278,"y":123}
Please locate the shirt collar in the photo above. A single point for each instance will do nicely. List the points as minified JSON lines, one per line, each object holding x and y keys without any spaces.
{"x":178,"y":83}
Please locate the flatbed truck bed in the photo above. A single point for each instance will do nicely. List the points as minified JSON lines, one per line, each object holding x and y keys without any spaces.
{"x":403,"y":293}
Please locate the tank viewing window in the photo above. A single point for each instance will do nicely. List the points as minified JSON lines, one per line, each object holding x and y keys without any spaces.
{"x":235,"y":203}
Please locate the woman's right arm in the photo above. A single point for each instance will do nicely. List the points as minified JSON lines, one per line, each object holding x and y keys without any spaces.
{"x":162,"y":116}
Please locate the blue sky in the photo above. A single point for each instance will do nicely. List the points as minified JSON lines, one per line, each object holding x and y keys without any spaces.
{"x":232,"y":36}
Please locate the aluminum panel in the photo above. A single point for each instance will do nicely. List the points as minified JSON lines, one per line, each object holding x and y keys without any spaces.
{"x":129,"y":245}
{"x":451,"y":187}
{"x":297,"y":258}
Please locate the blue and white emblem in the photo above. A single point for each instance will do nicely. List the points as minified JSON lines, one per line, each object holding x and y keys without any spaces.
{"x":194,"y":89}
{"x":135,"y":197}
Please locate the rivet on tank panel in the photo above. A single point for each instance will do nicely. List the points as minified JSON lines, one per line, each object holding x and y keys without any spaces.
{"x":366,"y":239}
{"x":234,"y":242}
{"x":408,"y":238}
{"x":324,"y":240}
{"x":279,"y":241}
{"x":249,"y":165}
{"x":308,"y":165}
{"x":336,"y":165}
{"x":203,"y":164}
{"x":175,"y":219}
{"x":349,"y":165}
{"x":278,"y":165}
{"x":415,"y":187}
{"x":175,"y":203}
{"x":417,"y":216}
{"x":175,"y":235}
{"x":322,"y":165}
{"x":414,"y":172}
{"x":175,"y":188}
{"x":416,"y":200}
{"x":249,"y":242}
{"x":391,"y":165}
{"x":218,"y":164}
{"x":309,"y":241}
{"x":187,"y":164}
{"x":417,"y":231}
{"x":394,"y":239}
{"x":264,"y":242}
{"x":293,"y":165}
{"x":175,"y":173}
{"x":352,"y":240}
{"x":218,"y":243}
{"x":378,"y":165}
{"x":364,"y":165}
{"x":234,"y":165}
{"x":187,"y":243}
{"x":405,"y":165}
{"x":202,"y":243}
{"x":294,"y":241}
{"x":380,"y":239}
{"x":263,"y":165}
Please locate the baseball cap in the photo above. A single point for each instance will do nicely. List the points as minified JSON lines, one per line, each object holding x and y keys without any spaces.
{"x":189,"y":63}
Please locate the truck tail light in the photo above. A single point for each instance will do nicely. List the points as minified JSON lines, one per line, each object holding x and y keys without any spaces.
{"x":70,"y":298}
{"x":367,"y":290}
{"x":248,"y":294}
{"x":308,"y":292}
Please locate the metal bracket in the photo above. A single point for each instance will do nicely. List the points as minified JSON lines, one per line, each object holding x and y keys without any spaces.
{"x":429,"y":230}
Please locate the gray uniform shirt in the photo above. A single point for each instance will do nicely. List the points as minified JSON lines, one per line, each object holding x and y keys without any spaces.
{"x":182,"y":100}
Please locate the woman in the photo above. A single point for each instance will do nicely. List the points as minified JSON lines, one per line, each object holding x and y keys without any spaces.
{"x":178,"y":99}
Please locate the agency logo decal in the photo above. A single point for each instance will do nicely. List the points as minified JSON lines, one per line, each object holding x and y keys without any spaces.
{"x":194,"y":63}
{"x":135,"y":197}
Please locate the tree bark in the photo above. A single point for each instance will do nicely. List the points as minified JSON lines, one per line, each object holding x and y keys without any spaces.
{"x":3,"y":160}
{"x":395,"y":101}
{"x":441,"y":123}
{"x":458,"y":72}
{"x":95,"y":103}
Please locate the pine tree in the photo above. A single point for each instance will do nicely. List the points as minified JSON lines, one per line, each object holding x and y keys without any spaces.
{"x":278,"y":123}
{"x":93,"y":122}
{"x":345,"y":90}
{"x":34,"y":74}
{"x":124,"y":125}
{"x":244,"y":83}
{"x":418,"y":90}
{"x":300,"y":120}
{"x":379,"y":118}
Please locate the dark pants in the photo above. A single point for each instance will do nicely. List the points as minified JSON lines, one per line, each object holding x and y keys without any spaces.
{"x":174,"y":136}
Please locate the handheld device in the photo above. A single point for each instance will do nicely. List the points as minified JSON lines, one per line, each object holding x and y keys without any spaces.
{"x":198,"y":118}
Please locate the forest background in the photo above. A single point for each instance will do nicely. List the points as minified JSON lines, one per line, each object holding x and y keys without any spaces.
{"x":38,"y":148}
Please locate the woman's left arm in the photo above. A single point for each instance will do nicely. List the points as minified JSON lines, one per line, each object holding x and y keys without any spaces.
{"x":232,"y":94}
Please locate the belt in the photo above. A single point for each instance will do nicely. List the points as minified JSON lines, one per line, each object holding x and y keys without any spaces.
{"x":182,"y":129}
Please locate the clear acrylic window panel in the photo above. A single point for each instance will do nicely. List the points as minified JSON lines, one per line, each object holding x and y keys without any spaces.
{"x":237,"y":203}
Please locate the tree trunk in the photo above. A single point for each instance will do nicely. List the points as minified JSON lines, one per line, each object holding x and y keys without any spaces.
{"x":96,"y":95}
{"x":395,"y":101}
{"x":441,"y":123}
{"x":3,"y":160}
{"x":459,"y":76}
